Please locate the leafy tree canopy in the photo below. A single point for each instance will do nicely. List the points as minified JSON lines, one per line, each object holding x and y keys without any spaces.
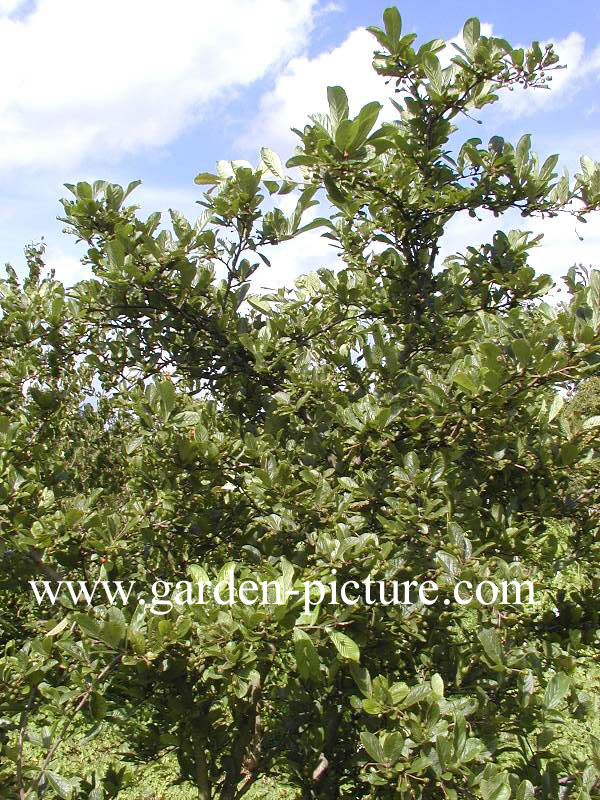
{"x":401,"y":418}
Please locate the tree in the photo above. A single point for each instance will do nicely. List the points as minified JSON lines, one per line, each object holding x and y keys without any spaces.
{"x":400,"y":419}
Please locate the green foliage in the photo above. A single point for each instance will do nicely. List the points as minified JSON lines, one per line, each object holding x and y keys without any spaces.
{"x":401,"y":418}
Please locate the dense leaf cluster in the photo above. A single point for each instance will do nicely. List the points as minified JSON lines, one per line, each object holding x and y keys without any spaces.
{"x":400,"y":418}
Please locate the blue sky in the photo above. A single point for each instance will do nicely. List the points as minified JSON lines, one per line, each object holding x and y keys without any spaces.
{"x":126,"y":89}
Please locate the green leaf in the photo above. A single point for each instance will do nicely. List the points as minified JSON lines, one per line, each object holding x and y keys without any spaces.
{"x":116,"y":252}
{"x":373,"y":746}
{"x":319,"y":222}
{"x":433,"y":71}
{"x":496,"y":789}
{"x":130,"y":187}
{"x":393,"y":24}
{"x":363,"y":125}
{"x":437,"y":685}
{"x":393,"y":746}
{"x":522,"y":351}
{"x":591,"y":422}
{"x":569,"y":453}
{"x":166,"y":390}
{"x":362,"y":679}
{"x":198,"y":574}
{"x":64,"y":787}
{"x":545,"y":737}
{"x":59,"y":628}
{"x":555,"y":407}
{"x":556,"y":690}
{"x":518,"y":56}
{"x":522,"y":150}
{"x":371,"y":706}
{"x":272,"y":186}
{"x":595,"y":742}
{"x":380,"y":36}
{"x":134,"y":444}
{"x":465,"y":381}
{"x":492,"y":645}
{"x":333,"y":191}
{"x":471,"y":34}
{"x":187,"y":419}
{"x":416,"y":694}
{"x":272,"y":161}
{"x":207,"y":179}
{"x":260,"y":305}
{"x":588,"y":165}
{"x":345,"y":646}
{"x":526,"y":791}
{"x":344,"y":134}
{"x":448,"y":562}
{"x":548,"y":167}
{"x":338,"y":106}
{"x":301,"y":160}
{"x":88,"y":625}
{"x":115,"y":629}
{"x":307,"y":658}
{"x":84,"y":190}
{"x":459,"y":738}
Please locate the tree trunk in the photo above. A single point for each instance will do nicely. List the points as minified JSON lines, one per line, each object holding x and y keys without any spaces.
{"x":202,"y":781}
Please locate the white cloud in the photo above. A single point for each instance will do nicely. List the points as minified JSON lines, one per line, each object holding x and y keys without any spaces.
{"x":91,"y":80}
{"x":302,"y":90}
{"x":566,"y":242}
{"x":565,"y":83}
{"x":9,"y":6}
{"x":67,"y":268}
{"x":308,"y":253}
{"x":151,"y":198}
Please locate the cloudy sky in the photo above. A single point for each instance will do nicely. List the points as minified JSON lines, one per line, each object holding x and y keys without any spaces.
{"x":126,"y":89}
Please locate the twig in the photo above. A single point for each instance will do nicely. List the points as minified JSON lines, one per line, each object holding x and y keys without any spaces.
{"x":22,"y":724}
